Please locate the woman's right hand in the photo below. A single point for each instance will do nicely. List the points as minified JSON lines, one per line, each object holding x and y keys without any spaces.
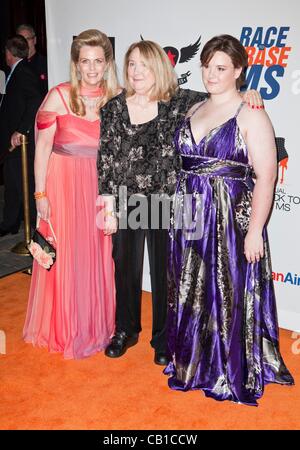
{"x":43,"y":208}
{"x":254,"y":246}
{"x":110,"y":225}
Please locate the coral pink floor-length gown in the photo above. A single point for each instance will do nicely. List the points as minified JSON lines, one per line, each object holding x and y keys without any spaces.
{"x":71,"y":308}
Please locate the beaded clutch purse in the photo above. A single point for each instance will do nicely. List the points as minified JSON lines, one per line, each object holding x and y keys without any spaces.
{"x":42,"y":248}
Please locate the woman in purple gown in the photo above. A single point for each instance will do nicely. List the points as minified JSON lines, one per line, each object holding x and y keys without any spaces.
{"x":223,"y":331}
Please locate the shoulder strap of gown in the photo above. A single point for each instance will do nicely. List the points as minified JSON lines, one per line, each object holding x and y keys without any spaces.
{"x":63,"y":99}
{"x":239,"y":109}
{"x":196,"y":109}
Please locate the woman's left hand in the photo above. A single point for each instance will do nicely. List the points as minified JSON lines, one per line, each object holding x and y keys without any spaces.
{"x":110,"y":225}
{"x":254,"y":99}
{"x":253,"y":246}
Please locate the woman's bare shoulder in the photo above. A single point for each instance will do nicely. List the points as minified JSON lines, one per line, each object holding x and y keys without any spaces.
{"x":53,"y":101}
{"x":254,"y":118}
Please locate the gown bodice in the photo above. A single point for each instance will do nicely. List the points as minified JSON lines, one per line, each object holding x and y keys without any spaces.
{"x":224,"y":142}
{"x":74,"y":135}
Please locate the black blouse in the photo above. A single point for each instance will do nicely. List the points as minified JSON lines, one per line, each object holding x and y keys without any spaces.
{"x":141,"y":157}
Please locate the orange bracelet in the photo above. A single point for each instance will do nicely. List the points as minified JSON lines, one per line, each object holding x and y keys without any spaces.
{"x":39,"y":195}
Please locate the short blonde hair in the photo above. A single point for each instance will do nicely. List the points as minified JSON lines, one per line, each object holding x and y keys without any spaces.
{"x":109,"y":83}
{"x":158,"y":62}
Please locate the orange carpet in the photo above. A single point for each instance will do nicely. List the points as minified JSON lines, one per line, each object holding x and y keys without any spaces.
{"x":39,"y":390}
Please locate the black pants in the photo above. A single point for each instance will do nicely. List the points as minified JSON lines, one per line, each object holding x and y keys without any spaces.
{"x":13,"y":193}
{"x":128,"y":254}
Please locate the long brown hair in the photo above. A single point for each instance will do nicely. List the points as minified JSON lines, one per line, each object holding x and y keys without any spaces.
{"x":109,"y":83}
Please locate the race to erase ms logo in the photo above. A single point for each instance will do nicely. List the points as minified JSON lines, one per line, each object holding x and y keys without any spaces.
{"x":285,"y":201}
{"x":182,"y":55}
{"x":268,"y":54}
{"x":283,"y":158}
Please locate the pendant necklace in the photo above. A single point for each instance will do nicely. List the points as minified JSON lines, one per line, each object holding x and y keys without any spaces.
{"x":90,"y":103}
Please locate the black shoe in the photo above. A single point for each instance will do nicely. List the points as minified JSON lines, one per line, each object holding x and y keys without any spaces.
{"x":161,"y":359}
{"x":120,"y":343}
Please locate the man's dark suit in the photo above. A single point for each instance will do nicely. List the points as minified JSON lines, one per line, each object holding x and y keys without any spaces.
{"x":38,"y":64}
{"x":17,"y":113}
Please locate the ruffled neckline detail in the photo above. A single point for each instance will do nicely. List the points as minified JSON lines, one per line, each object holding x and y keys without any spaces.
{"x":94,"y":92}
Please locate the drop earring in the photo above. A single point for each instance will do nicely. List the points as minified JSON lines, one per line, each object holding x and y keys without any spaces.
{"x":105,"y":75}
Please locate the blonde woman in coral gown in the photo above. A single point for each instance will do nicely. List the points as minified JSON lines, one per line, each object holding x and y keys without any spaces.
{"x":71,"y":308}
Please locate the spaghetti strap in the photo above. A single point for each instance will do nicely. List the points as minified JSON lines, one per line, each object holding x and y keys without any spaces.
{"x":239,"y":109}
{"x":196,"y":109}
{"x":63,"y":99}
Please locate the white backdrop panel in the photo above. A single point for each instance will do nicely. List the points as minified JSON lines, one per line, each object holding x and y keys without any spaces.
{"x":177,"y":24}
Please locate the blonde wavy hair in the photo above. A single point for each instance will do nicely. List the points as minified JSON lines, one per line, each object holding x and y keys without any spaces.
{"x":109,"y":83}
{"x":158,"y":62}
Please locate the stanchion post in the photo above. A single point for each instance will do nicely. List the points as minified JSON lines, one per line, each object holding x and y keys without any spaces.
{"x":21,"y":247}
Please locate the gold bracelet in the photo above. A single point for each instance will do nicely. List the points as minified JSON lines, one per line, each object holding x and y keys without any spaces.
{"x":38,"y":195}
{"x":110,"y":213}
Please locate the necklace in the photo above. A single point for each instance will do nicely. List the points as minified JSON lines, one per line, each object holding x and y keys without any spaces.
{"x":90,"y":103}
{"x":91,"y":97}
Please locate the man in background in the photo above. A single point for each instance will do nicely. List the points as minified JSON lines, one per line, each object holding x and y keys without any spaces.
{"x":18,"y":108}
{"x":37,"y":62}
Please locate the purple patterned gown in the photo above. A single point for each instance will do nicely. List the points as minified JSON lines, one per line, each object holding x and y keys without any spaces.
{"x":222,"y":320}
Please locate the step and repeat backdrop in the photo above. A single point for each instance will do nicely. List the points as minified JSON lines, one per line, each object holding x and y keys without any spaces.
{"x":269,"y":30}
